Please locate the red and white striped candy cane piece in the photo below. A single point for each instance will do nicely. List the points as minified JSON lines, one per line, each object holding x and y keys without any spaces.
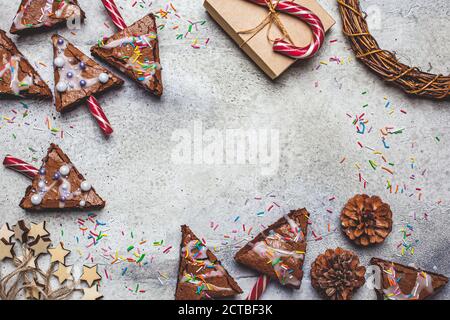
{"x":20,"y":166}
{"x":99,"y":115}
{"x":114,"y":13}
{"x":307,"y":16}
{"x":259,"y":288}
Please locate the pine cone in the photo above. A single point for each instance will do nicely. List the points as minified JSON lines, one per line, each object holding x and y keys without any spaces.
{"x":337,"y":273}
{"x":366,"y":220}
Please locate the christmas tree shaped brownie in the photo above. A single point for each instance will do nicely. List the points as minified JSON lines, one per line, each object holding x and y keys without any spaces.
{"x":59,"y":185}
{"x":400,"y":282}
{"x":201,"y":275}
{"x":135,"y":51}
{"x":279,"y":251}
{"x":77,"y":76}
{"x":17,"y":77}
{"x":34,"y":15}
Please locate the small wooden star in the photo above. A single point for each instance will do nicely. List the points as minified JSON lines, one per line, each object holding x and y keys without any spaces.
{"x":39,"y":245}
{"x":91,"y":294}
{"x":21,"y":231}
{"x":90,"y":275}
{"x":6,"y":233}
{"x":58,"y":253}
{"x":30,"y":264}
{"x":38,"y":229}
{"x":63,"y":273}
{"x":6,"y":250}
{"x":33,"y":293}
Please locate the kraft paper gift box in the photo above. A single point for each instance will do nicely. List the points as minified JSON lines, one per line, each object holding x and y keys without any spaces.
{"x":236,"y":16}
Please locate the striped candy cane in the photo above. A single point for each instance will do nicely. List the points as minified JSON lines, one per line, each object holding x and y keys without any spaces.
{"x":307,"y":16}
{"x":20,"y":166}
{"x":114,"y":14}
{"x":99,"y":115}
{"x":259,"y":288}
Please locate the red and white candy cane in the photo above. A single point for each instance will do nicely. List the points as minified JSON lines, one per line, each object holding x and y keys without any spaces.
{"x":94,"y":106}
{"x":307,"y":16}
{"x":20,"y":166}
{"x":259,"y":288}
{"x":100,"y":116}
{"x":114,"y":14}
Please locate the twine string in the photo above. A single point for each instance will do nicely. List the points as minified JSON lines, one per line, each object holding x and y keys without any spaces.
{"x":272,"y":18}
{"x":27,"y":278}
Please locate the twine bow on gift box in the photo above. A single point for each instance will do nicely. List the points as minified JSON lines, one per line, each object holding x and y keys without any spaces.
{"x":288,"y":48}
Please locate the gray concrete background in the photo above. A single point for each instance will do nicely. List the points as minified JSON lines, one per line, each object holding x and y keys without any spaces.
{"x":150,"y":196}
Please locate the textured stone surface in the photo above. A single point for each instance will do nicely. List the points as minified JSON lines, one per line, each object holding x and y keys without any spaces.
{"x":148,"y":194}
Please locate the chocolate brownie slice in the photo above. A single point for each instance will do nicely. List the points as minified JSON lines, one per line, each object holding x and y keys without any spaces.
{"x":400,"y":282}
{"x":279,"y":251}
{"x":77,"y":76}
{"x":135,"y":51}
{"x":17,"y":77}
{"x":201,"y":275}
{"x":34,"y":15}
{"x":59,"y":185}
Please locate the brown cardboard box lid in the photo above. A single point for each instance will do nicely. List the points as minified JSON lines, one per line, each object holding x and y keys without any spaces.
{"x":239,"y":15}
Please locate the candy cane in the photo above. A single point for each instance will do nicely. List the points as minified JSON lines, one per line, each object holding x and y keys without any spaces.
{"x":259,"y":288}
{"x":307,"y":16}
{"x":99,"y":115}
{"x":20,"y":166}
{"x":114,"y":14}
{"x":94,"y":106}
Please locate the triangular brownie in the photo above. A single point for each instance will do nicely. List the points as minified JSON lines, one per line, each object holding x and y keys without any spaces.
{"x":279,"y":251}
{"x":17,"y":77}
{"x":201,"y":275}
{"x":34,"y":15}
{"x":135,"y":51}
{"x":77,"y":76}
{"x":59,"y":185}
{"x":400,"y":282}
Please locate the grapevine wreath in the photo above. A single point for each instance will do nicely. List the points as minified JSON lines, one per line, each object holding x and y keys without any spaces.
{"x":385,"y":63}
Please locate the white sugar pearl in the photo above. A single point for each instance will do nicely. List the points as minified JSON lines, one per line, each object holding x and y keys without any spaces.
{"x":36,"y":200}
{"x":65,"y":186}
{"x":85,"y":186}
{"x":103,"y":77}
{"x":41,"y":184}
{"x":59,"y":62}
{"x":64,"y":170}
{"x":82,"y":203}
{"x":61,"y":87}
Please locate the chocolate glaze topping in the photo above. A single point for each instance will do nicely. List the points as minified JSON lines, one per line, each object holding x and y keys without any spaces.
{"x":201,"y":275}
{"x":279,"y":251}
{"x":18,"y":77}
{"x":400,"y":282}
{"x":77,"y":76}
{"x":34,"y":15}
{"x":59,"y":186}
{"x":135,"y":51}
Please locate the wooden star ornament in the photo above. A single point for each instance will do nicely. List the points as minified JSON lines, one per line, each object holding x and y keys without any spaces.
{"x":30,"y":264}
{"x":6,"y":233}
{"x":6,"y":250}
{"x":40,"y":246}
{"x":38,"y":229}
{"x":63,"y":273}
{"x":21,"y":231}
{"x":90,"y":275}
{"x":32,"y":292}
{"x":91,"y":294}
{"x":58,"y":253}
